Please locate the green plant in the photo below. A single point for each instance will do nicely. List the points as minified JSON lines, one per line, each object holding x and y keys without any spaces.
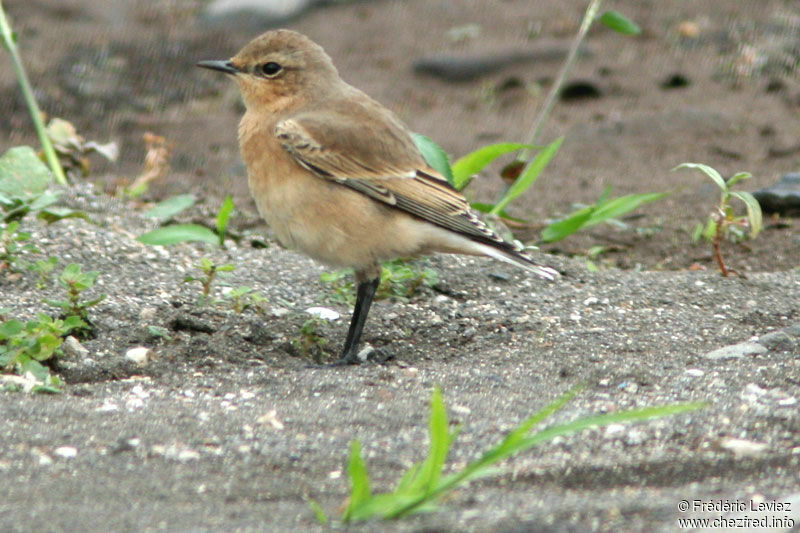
{"x":723,"y":223}
{"x":44,"y":268}
{"x":13,"y":243}
{"x":245,"y":297}
{"x":177,"y":233}
{"x":604,"y":210}
{"x":526,"y":169}
{"x":24,"y":181}
{"x":210,"y":271}
{"x":75,"y":282}
{"x":10,"y":42}
{"x":309,"y":342}
{"x":424,"y":483}
{"x":400,"y":280}
{"x":24,"y":346}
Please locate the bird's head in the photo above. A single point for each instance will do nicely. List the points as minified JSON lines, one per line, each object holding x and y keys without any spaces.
{"x":279,"y":70}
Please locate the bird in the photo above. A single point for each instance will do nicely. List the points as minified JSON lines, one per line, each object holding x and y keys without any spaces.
{"x":338,"y":176}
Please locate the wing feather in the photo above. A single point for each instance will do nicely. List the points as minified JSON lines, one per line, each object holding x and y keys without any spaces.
{"x":384,"y":164}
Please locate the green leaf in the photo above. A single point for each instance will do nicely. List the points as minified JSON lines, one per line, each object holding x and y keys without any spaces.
{"x":620,"y":23}
{"x":171,"y":206}
{"x":22,"y":174}
{"x":45,"y":199}
{"x":617,"y":207}
{"x":318,"y":511}
{"x":11,"y":328}
{"x":707,"y":170}
{"x":54,"y":214}
{"x":736,"y":178}
{"x":434,"y":156}
{"x":431,"y":469}
{"x":472,"y":163}
{"x":222,"y":218}
{"x":360,"y":492}
{"x":179,"y":233}
{"x":754,"y":216}
{"x":529,"y":176}
{"x":602,"y":211}
{"x":36,"y":368}
{"x":487,"y":208}
{"x":567,"y":226}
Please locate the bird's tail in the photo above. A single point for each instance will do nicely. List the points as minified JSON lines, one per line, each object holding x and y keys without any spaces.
{"x":514,"y":255}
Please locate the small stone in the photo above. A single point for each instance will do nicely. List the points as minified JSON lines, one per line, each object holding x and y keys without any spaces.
{"x":253,"y":13}
{"x":279,"y":312}
{"x":270,"y":420}
{"x":778,"y":341}
{"x":470,"y":332}
{"x":787,"y":402}
{"x":324,"y":313}
{"x":694,"y":372}
{"x":74,"y":349}
{"x":635,"y":437}
{"x":188,"y":455}
{"x":365,"y":352}
{"x":67,"y":452}
{"x":782,"y":197}
{"x":140,"y":355}
{"x":591,"y":300}
{"x":612,"y":430}
{"x":742,"y":447}
{"x":736,"y":351}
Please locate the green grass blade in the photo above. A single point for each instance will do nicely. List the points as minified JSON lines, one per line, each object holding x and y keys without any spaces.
{"x":619,"y":23}
{"x":10,"y":43}
{"x":616,"y":207}
{"x":466,"y":167}
{"x":529,"y":176}
{"x":631,"y":415}
{"x":360,"y":492}
{"x":179,"y":233}
{"x":171,"y":206}
{"x":707,"y":170}
{"x":431,"y":469}
{"x":567,"y":226}
{"x":434,"y":156}
{"x":319,"y":512}
{"x":754,"y":216}
{"x":511,"y":446}
{"x":602,"y":211}
{"x":739,"y":176}
{"x":223,"y":217}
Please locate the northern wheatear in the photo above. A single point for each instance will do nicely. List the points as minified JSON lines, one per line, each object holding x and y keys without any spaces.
{"x":338,"y":176}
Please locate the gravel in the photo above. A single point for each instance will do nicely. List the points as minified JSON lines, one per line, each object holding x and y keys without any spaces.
{"x":225,"y":425}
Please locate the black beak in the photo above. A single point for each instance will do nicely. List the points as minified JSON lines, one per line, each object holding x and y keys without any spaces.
{"x":221,"y":65}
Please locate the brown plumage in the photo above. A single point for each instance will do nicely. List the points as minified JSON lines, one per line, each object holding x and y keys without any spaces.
{"x":338,"y":176}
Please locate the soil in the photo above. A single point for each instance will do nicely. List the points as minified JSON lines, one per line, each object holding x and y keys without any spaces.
{"x":231,"y":427}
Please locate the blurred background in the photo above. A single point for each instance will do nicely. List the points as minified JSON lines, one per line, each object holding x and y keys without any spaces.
{"x":708,"y":81}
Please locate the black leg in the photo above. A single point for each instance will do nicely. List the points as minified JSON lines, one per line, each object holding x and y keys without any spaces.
{"x":364,"y":296}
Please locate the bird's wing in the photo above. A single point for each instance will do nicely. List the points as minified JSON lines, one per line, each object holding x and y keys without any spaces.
{"x":382,"y":162}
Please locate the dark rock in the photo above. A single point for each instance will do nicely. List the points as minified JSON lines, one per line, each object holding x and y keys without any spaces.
{"x":580,"y":90}
{"x":782,"y":197}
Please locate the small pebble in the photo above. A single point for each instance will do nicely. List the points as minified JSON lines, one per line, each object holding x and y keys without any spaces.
{"x":324,"y":313}
{"x":742,"y":447}
{"x":74,"y":349}
{"x":67,"y":452}
{"x":140,"y":355}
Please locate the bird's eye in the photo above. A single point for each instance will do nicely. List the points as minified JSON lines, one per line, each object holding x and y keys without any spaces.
{"x":271,"y":69}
